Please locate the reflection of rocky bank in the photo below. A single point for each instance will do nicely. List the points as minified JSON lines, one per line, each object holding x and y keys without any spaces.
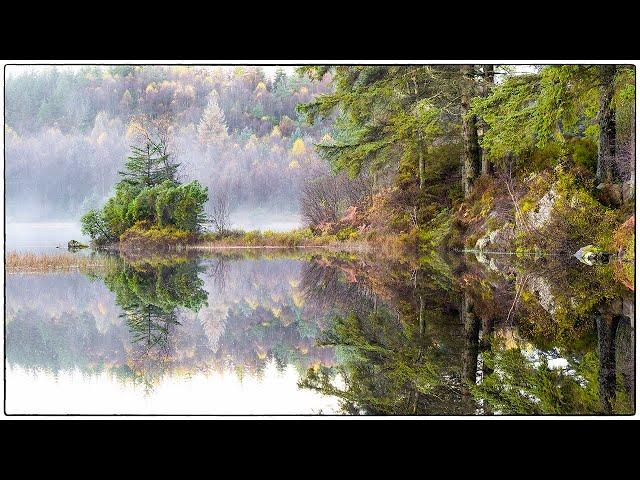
{"x":576,"y":308}
{"x":422,"y":336}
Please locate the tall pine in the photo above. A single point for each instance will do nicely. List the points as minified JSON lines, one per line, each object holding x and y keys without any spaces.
{"x":149,"y":166}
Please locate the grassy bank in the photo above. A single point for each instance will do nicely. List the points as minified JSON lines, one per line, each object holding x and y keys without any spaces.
{"x":169,"y":239}
{"x":29,"y":262}
{"x":270,"y":239}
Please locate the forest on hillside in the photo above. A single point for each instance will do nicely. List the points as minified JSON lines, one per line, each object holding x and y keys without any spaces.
{"x":236,"y":129}
{"x":484,"y":156}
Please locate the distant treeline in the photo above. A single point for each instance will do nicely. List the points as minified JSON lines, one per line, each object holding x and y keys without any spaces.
{"x":68,"y":131}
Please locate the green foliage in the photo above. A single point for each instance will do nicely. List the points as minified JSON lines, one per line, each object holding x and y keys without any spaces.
{"x":385,"y":366}
{"x":509,"y":111}
{"x":149,"y":166}
{"x":144,"y":234}
{"x":435,"y":232}
{"x":585,"y":153}
{"x":163,"y":285}
{"x":94,"y":224}
{"x":520,"y":386}
{"x":347,"y":233}
{"x":383,"y":112}
{"x":149,"y":294}
{"x":148,"y":196}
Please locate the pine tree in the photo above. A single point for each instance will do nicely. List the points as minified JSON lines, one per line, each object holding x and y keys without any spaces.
{"x":471,"y":147}
{"x":149,"y":165}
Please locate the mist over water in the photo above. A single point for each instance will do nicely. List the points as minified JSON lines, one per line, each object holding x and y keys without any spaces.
{"x":42,"y":236}
{"x":68,"y":132}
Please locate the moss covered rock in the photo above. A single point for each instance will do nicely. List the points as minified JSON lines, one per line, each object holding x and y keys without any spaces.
{"x":76,"y":245}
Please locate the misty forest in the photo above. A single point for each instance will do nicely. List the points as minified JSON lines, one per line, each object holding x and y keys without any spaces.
{"x":358,"y":239}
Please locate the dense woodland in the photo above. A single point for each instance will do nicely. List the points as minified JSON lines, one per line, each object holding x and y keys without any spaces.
{"x":482,"y":156}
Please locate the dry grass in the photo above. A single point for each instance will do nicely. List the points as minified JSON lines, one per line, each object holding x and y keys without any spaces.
{"x":26,"y":262}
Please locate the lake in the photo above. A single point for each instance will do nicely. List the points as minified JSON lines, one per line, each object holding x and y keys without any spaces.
{"x":288,"y":332}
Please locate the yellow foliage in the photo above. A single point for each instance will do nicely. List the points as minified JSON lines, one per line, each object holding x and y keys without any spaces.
{"x":276,"y":132}
{"x":298,"y":299}
{"x":294,"y":164}
{"x":260,"y":89}
{"x":298,"y":149}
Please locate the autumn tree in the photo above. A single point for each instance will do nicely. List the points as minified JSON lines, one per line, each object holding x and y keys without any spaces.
{"x":212,"y":127}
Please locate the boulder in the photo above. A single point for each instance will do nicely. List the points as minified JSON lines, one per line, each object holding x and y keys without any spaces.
{"x":610,"y":193}
{"x":76,"y":245}
{"x":482,"y":242}
{"x":498,"y":240}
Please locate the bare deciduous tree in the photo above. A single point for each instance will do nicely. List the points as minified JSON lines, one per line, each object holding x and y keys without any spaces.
{"x":325,"y":198}
{"x":220,"y":211}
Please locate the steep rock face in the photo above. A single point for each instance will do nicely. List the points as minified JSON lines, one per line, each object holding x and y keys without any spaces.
{"x":541,"y":214}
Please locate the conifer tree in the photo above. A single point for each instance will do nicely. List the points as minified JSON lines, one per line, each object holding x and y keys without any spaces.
{"x":471,"y":147}
{"x":149,"y":165}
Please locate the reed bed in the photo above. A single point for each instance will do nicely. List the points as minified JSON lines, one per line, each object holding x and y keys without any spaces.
{"x":28,"y":262}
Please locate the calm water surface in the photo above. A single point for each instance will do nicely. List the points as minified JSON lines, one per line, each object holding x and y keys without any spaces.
{"x":283,"y":332}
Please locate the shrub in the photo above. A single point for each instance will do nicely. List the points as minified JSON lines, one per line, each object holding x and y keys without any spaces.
{"x":347,"y":233}
{"x":144,"y":234}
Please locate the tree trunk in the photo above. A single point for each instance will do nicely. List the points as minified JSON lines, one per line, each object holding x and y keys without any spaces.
{"x":488,"y":325}
{"x":607,"y":325}
{"x":421,"y":167}
{"x":421,"y":316}
{"x":487,"y":82}
{"x":471,"y":148}
{"x":607,"y":169}
{"x":471,"y":347}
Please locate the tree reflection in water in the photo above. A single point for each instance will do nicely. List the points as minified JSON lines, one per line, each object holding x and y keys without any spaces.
{"x":149,"y":292}
{"x":546,"y":339}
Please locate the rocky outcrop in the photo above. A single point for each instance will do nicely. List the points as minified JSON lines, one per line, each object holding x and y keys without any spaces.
{"x":499,"y":240}
{"x":539,"y":217}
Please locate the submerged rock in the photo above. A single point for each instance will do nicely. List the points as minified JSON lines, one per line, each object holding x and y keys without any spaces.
{"x":590,"y":255}
{"x":76,"y":245}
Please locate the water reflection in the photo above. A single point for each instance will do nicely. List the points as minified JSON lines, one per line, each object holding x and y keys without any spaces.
{"x":359,"y":335}
{"x":550,"y":338}
{"x":149,"y":293}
